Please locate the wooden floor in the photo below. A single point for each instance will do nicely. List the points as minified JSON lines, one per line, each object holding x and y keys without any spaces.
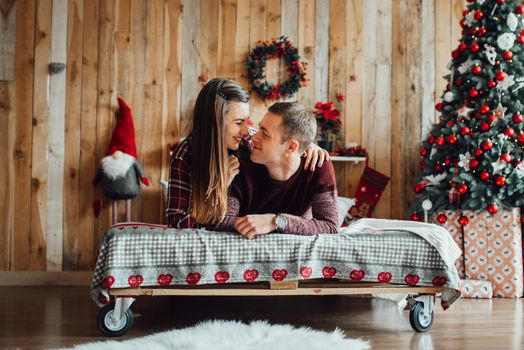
{"x":46,"y":317}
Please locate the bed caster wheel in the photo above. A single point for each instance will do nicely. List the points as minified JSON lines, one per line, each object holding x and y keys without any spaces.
{"x":419,"y":320}
{"x":107,"y":325}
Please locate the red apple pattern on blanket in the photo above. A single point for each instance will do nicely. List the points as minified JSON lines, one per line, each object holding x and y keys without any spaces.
{"x":411,"y":280}
{"x":439,"y":281}
{"x":165,"y":280}
{"x":306,"y":272}
{"x":250,"y":275}
{"x":107,"y":282}
{"x":279,"y":275}
{"x":329,"y":272}
{"x":102,"y":299}
{"x":384,"y":277}
{"x":192,"y":278}
{"x":356,"y":275}
{"x":135,"y":280}
{"x":221,"y":276}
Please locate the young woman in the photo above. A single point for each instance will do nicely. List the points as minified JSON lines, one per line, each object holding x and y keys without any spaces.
{"x":205,"y":163}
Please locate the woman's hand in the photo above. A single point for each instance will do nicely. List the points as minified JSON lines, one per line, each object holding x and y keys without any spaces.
{"x":314,"y":155}
{"x":233,"y":169}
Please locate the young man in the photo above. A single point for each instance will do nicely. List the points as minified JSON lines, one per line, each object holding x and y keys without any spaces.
{"x":273,"y":192}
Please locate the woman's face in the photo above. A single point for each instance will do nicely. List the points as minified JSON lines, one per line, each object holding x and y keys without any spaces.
{"x":236,"y":123}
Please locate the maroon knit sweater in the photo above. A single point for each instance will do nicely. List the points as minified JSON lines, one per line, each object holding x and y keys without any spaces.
{"x":308,"y":199}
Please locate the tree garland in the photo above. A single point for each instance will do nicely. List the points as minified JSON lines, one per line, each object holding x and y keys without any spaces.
{"x":256,"y":64}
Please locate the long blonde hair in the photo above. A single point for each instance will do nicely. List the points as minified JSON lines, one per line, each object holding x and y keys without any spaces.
{"x":209,"y":169}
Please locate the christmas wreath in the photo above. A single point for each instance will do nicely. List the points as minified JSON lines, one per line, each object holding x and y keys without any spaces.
{"x":256,"y":64}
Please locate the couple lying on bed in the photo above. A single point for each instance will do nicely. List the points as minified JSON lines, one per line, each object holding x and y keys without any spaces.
{"x":276,"y":180}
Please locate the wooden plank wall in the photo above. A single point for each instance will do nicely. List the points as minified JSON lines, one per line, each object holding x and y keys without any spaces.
{"x":54,"y":128}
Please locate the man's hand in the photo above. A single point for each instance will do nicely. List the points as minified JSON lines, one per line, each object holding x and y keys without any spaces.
{"x":314,"y":155}
{"x":257,"y":224}
{"x":233,"y":169}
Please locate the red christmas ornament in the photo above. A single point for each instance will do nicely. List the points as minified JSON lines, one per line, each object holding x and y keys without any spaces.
{"x":465,"y":130}
{"x":440,"y":141}
{"x":509,"y":132}
{"x":431,"y":139}
{"x":500,"y":180}
{"x":478,"y":15}
{"x":520,"y":137}
{"x":500,"y":2}
{"x":474,"y":47}
{"x":487,"y":145}
{"x":450,"y":123}
{"x":452,"y":138}
{"x":442,"y":218}
{"x":484,"y":109}
{"x":463,"y":220}
{"x":473,"y":163}
{"x":439,"y":106}
{"x":462,"y":47}
{"x":423,"y":152}
{"x":458,"y":82}
{"x":482,"y":31}
{"x":476,"y":69}
{"x":507,"y":55}
{"x":473,"y":92}
{"x":462,"y":188}
{"x":484,"y":126}
{"x":517,"y":118}
{"x":505,"y":157}
{"x":438,"y":167}
{"x":416,"y":217}
{"x":520,"y":39}
{"x":520,"y":9}
{"x":492,"y":84}
{"x":478,"y":152}
{"x":456,"y":54}
{"x":419,"y":187}
{"x":500,"y":75}
{"x":447,"y":162}
{"x":484,"y":175}
{"x":493,"y":208}
{"x":492,"y":118}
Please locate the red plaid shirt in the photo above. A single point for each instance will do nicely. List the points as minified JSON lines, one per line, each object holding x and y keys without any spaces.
{"x":179,"y":191}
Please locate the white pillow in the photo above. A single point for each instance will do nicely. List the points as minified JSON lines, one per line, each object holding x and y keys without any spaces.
{"x":344,"y":204}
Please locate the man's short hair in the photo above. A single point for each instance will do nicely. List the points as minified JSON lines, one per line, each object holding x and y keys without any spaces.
{"x":298,"y":122}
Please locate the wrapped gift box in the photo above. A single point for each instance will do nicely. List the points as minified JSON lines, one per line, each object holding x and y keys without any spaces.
{"x":476,"y":289}
{"x":493,"y":250}
{"x":453,"y":226}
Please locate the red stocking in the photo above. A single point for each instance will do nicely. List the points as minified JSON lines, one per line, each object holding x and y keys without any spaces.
{"x":370,"y":187}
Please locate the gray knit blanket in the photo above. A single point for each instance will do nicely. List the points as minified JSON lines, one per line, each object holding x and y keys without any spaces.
{"x":145,"y":255}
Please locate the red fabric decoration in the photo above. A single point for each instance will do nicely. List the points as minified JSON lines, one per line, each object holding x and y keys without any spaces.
{"x":369,"y":189}
{"x":97,"y":206}
{"x":123,"y":138}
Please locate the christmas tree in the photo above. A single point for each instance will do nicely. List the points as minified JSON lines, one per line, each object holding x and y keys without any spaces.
{"x":472,"y":158}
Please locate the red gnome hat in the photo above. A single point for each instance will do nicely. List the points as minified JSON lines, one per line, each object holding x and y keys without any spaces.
{"x":123,"y":138}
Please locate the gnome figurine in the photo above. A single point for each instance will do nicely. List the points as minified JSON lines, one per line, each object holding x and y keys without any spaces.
{"x":120,"y":173}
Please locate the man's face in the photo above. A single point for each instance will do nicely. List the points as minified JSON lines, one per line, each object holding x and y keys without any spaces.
{"x":267,"y":142}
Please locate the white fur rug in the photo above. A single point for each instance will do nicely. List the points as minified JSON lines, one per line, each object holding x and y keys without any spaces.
{"x":233,"y":335}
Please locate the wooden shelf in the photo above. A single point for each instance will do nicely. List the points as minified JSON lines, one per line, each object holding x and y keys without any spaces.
{"x":347,"y":159}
